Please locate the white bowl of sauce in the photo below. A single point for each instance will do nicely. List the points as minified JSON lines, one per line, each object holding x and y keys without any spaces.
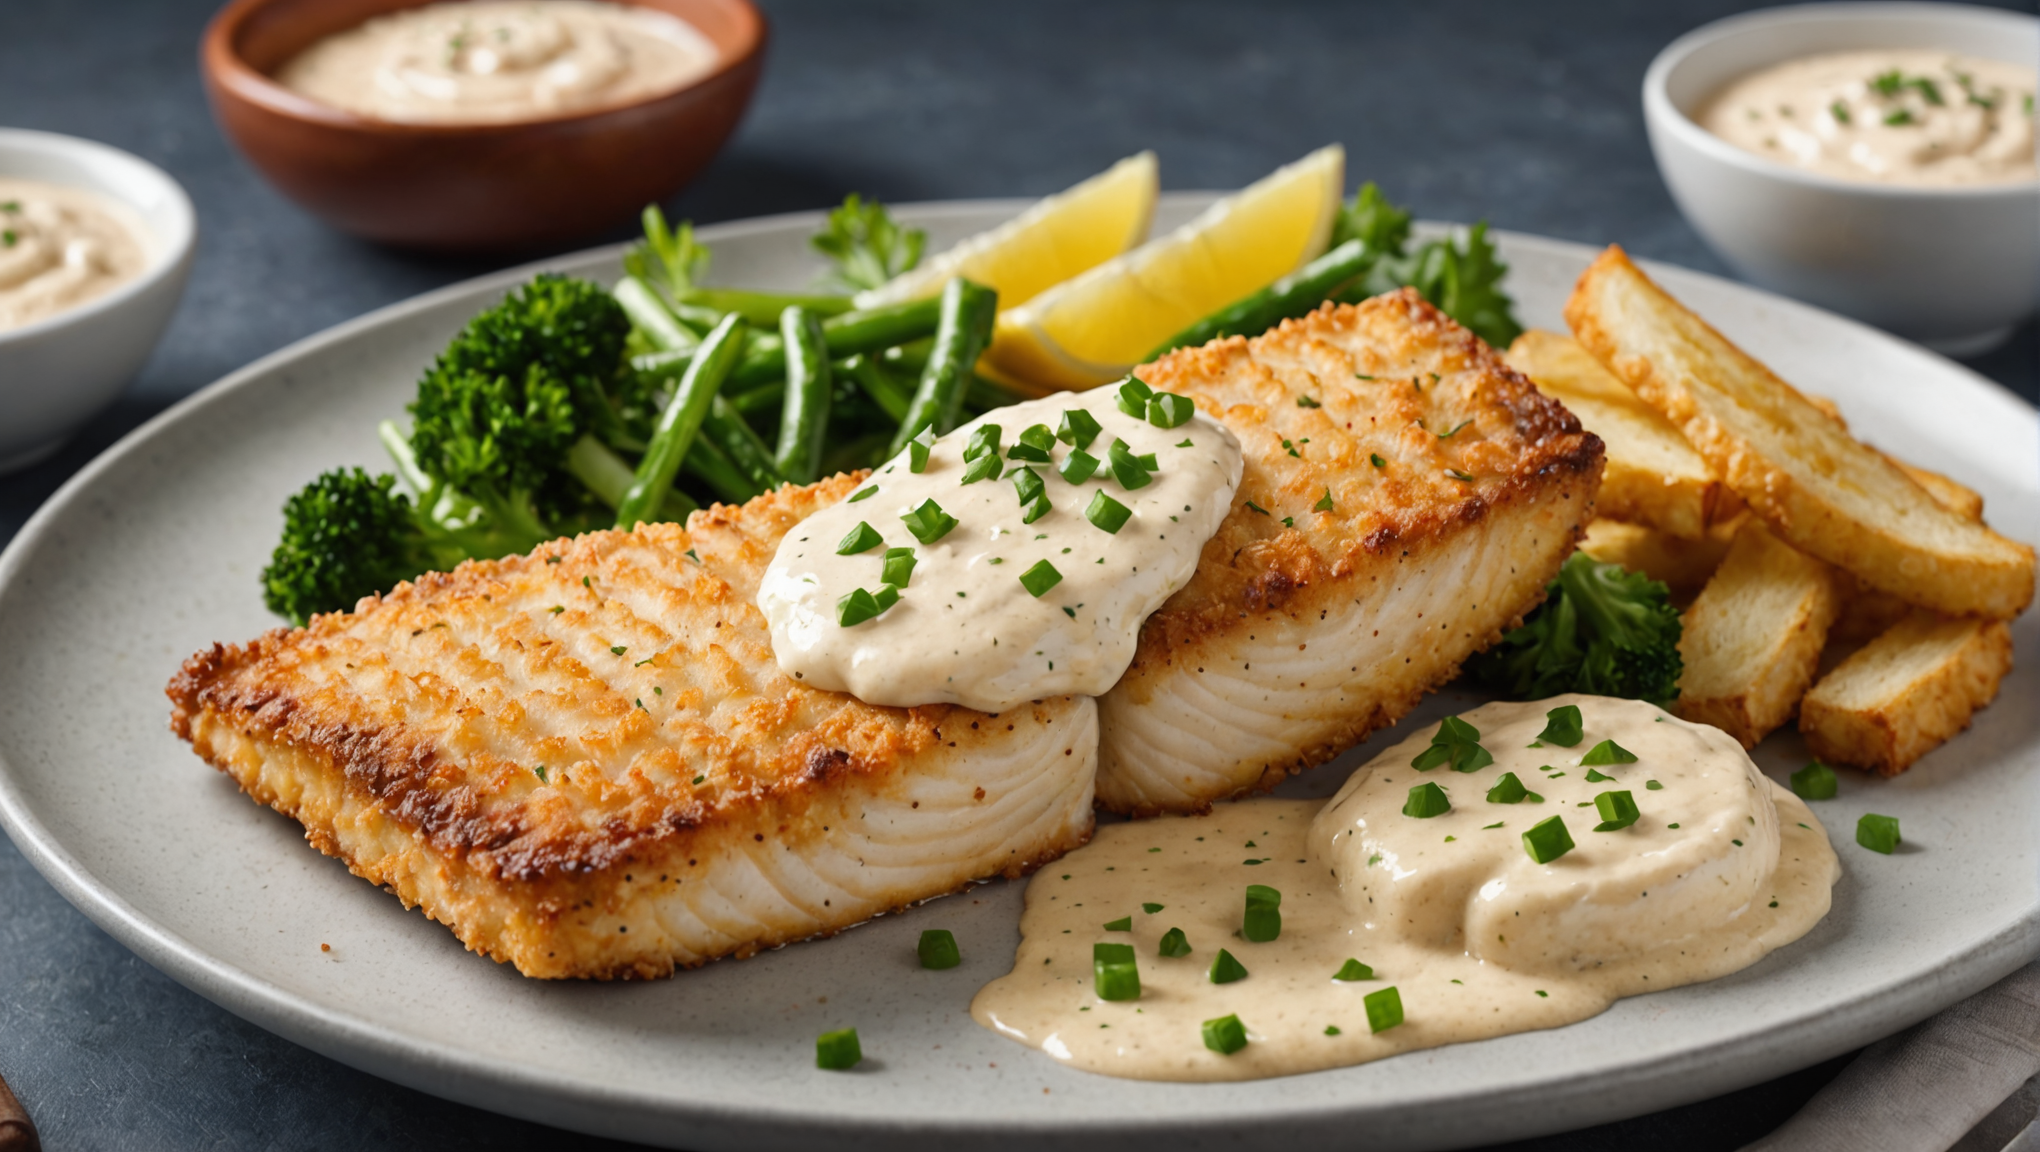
{"x":1874,"y":159}
{"x":95,"y":246}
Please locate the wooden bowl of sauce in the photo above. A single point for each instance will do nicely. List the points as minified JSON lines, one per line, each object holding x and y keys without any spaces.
{"x":521,"y":183}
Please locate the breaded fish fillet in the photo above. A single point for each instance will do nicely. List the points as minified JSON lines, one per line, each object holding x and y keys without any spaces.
{"x":1407,"y":496}
{"x":586,"y":761}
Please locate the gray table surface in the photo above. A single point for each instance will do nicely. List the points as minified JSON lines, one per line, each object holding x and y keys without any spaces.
{"x":1524,"y":114}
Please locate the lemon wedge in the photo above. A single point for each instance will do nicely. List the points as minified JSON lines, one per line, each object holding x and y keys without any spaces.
{"x":1090,"y":330}
{"x":1055,"y":239}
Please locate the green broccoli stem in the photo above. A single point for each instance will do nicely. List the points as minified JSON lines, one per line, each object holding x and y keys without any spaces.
{"x":681,"y":419}
{"x":651,"y":316}
{"x":762,"y":308}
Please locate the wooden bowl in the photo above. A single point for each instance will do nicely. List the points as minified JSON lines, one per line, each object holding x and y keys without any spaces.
{"x":469,"y":187}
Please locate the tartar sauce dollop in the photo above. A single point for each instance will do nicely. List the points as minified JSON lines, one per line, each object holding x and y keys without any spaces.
{"x":1010,"y":560}
{"x":1916,"y":117}
{"x":62,"y":247}
{"x":491,"y":62}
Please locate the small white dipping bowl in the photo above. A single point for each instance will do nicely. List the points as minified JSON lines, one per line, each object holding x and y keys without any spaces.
{"x":1953,"y":268}
{"x":56,"y":373}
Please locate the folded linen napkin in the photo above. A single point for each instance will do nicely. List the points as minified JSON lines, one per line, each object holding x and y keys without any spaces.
{"x":1962,"y":1080}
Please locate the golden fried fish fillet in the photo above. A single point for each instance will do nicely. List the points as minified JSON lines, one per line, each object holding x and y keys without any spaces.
{"x":1407,"y":496}
{"x":586,"y":761}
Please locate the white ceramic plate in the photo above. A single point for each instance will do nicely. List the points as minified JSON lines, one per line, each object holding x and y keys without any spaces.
{"x":152,"y":553}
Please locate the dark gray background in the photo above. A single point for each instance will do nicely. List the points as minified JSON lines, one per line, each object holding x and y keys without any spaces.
{"x":1526,"y":114}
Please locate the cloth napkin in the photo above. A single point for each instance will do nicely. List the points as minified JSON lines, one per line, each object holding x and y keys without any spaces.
{"x":1964,"y":1080}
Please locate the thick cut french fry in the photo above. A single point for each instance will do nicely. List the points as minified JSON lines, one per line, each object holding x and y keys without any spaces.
{"x":1679,"y":564}
{"x":1819,"y":488}
{"x":1868,"y":612}
{"x":1654,"y":477}
{"x":1904,"y":693}
{"x":1753,"y":637}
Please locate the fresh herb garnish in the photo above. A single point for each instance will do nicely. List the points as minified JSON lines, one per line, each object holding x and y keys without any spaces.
{"x":1324,"y":503}
{"x":929,"y":522}
{"x":1263,"y":919}
{"x":1168,"y":410}
{"x":1174,"y":944}
{"x":1078,"y":428}
{"x":1078,"y":466}
{"x":1878,"y":833}
{"x":1225,"y":969}
{"x":1225,"y":1035}
{"x":1106,"y":513}
{"x":1307,"y":402}
{"x":1353,"y":970}
{"x":838,"y":1051}
{"x":1123,"y":924}
{"x":938,"y":949}
{"x":1033,"y":444}
{"x":1040,"y":578}
{"x":1425,"y":801}
{"x":1607,"y":752}
{"x":862,"y":538}
{"x":862,"y":494}
{"x":1816,"y":781}
{"x":1134,"y":396}
{"x":1507,"y":790}
{"x":1115,"y":973}
{"x":1547,"y":840}
{"x":1456,"y":743}
{"x":1617,"y":809}
{"x":1384,"y":1009}
{"x":865,"y":246}
{"x":1376,"y":459}
{"x":899,"y":567}
{"x":1564,"y":726}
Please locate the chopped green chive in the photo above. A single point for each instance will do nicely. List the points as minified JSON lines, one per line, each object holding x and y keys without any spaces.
{"x":1376,"y":459}
{"x":1456,"y":743}
{"x":1455,"y":429}
{"x":1563,"y":726}
{"x":1324,"y":503}
{"x":1898,"y":119}
{"x":1147,"y":907}
{"x":1078,"y":428}
{"x":1490,"y":827}
{"x":617,"y":650}
{"x":1123,"y":924}
{"x":1594,"y":777}
{"x":1174,"y":944}
{"x":1384,"y":1009}
{"x":1263,"y":919}
{"x":1507,"y":790}
{"x":1078,"y":466}
{"x":1608,"y":752}
{"x":857,"y":605}
{"x":1032,"y":444}
{"x":1353,"y":970}
{"x":929,"y":522}
{"x":1877,"y":833}
{"x":1653,"y":786}
{"x":1257,"y":508}
{"x":699,"y":779}
{"x":1040,"y":578}
{"x":1115,"y":973}
{"x":1131,"y":471}
{"x":899,"y":567}
{"x":1547,"y":840}
{"x":1462,"y":477}
{"x":540,"y":771}
{"x":1331,"y":1029}
{"x":1225,"y":1035}
{"x":1224,"y":969}
{"x":1816,"y":781}
{"x":1035,"y":509}
{"x":985,"y":467}
{"x":938,"y":949}
{"x":917,"y":451}
{"x":1168,"y":410}
{"x":864,"y":493}
{"x":1134,"y":396}
{"x":1107,"y":513}
{"x":1307,"y":402}
{"x":862,"y":538}
{"x":1617,"y":809}
{"x":1426,"y":800}
{"x":837,"y":1051}
{"x":984,"y":441}
{"x":1027,"y":484}
{"x":1839,"y":111}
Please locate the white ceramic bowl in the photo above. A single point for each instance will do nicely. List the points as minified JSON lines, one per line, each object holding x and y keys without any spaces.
{"x":1954,"y":268}
{"x":56,"y":373}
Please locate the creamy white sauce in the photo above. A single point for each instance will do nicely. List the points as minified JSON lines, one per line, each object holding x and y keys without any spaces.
{"x":494,"y":62}
{"x":1477,"y":938}
{"x":965,"y":629}
{"x":61,"y":247}
{"x":1910,"y":117}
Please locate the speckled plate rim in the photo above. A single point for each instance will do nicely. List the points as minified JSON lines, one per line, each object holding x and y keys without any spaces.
{"x":1876,"y":1008}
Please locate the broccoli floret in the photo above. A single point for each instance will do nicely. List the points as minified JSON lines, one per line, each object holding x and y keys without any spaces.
{"x":1603,"y":630}
{"x":345,"y":535}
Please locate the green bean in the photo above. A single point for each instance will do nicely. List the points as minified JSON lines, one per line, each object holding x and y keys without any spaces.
{"x":725,"y":428}
{"x":759,"y":398}
{"x":707,"y":463}
{"x":1292,"y":295}
{"x":680,"y":420}
{"x":608,"y":476}
{"x":804,"y":417}
{"x":884,"y":389}
{"x":763,"y":308}
{"x":764,"y":361}
{"x":649,"y":313}
{"x":963,"y":329}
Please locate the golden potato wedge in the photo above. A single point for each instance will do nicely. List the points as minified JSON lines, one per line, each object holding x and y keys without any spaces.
{"x":1820,"y":489}
{"x":1653,"y":477}
{"x":1682,"y":565}
{"x":1868,"y":612}
{"x":1950,"y":494}
{"x":1904,"y":693}
{"x":1753,"y":636}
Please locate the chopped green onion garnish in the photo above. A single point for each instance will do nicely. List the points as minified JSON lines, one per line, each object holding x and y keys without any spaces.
{"x":1174,"y":944}
{"x":1353,"y":970}
{"x":1816,"y":781}
{"x":1376,"y":459}
{"x":1617,"y":809}
{"x":929,"y":522}
{"x":1507,"y":790}
{"x":1168,"y":410}
{"x":837,"y":1051}
{"x":917,"y":451}
{"x":1563,"y":727}
{"x":862,"y":538}
{"x":857,"y":606}
{"x":1128,"y":469}
{"x":864,"y":493}
{"x":1116,"y":975}
{"x":1426,"y":800}
{"x":1035,"y":509}
{"x":983,"y":442}
{"x":1134,"y":397}
{"x":1456,"y":743}
{"x":1877,"y":833}
{"x":1107,"y":513}
{"x":1547,"y":840}
{"x":1123,"y":924}
{"x":1225,"y":1035}
{"x":1455,"y":428}
{"x":1033,"y":444}
{"x":1224,"y":969}
{"x":985,"y":467}
{"x":938,"y":949}
{"x":1027,"y":484}
{"x":1608,"y":752}
{"x":1331,"y":1029}
{"x":1078,"y":466}
{"x":1149,"y":907}
{"x":1839,"y":111}
{"x":899,"y":567}
{"x":1384,"y":1009}
{"x":1078,"y":428}
{"x":1307,"y":402}
{"x":1653,"y":786}
{"x":1040,"y":578}
{"x":1263,"y":919}
{"x":1324,"y":503}
{"x":1594,"y":777}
